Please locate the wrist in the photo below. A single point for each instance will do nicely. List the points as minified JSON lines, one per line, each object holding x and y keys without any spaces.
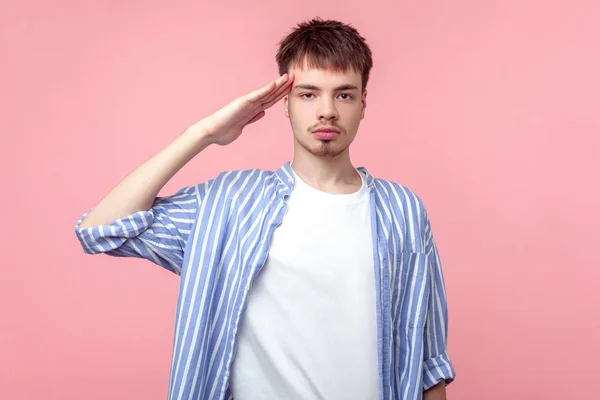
{"x":198,"y":136}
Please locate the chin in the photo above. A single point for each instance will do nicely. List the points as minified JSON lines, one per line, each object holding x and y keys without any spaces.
{"x":321,"y":148}
{"x":327,"y":149}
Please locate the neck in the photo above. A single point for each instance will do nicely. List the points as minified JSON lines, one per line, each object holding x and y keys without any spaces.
{"x":332,"y":175}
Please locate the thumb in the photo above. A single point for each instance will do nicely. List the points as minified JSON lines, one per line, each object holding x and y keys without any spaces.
{"x":256,"y":117}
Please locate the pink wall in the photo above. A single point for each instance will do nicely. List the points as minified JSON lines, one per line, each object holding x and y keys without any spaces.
{"x":488,"y":110}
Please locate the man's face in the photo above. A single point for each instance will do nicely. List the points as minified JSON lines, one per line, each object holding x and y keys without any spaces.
{"x":321,"y":99}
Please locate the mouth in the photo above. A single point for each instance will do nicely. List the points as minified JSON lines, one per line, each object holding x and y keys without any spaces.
{"x":326,"y":133}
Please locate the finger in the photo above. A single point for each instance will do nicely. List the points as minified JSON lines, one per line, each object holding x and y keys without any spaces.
{"x":279,"y":83}
{"x":285,"y":88}
{"x":259,"y":93}
{"x":279,"y":94}
{"x":268,"y":89}
{"x":276,"y":99}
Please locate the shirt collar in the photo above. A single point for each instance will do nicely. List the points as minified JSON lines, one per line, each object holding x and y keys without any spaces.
{"x":285,"y":177}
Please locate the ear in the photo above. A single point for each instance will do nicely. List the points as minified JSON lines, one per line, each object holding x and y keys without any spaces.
{"x":286,"y":111}
{"x":364,"y":104}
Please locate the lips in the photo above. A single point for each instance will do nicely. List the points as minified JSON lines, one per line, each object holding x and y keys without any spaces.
{"x":326,"y":133}
{"x":327,"y":130}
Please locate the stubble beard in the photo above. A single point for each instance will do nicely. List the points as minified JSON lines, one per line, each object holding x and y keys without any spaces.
{"x":324,"y":148}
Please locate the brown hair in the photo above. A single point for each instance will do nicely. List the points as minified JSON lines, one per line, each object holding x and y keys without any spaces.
{"x":325,"y":44}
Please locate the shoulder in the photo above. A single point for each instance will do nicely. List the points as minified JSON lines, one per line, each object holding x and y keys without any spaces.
{"x":243,"y":179}
{"x":399,"y":196}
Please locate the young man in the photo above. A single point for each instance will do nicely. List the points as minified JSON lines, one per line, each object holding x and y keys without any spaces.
{"x":316,"y":281}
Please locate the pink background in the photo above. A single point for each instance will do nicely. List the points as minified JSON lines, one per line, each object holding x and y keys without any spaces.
{"x":488,"y":110}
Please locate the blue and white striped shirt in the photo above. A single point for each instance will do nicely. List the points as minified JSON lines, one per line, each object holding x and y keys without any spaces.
{"x":216,"y":235}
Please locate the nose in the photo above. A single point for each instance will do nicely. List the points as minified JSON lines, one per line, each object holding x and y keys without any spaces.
{"x":326,"y":109}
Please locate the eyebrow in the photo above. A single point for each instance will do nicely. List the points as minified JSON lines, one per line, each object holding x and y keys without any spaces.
{"x":337,"y":89}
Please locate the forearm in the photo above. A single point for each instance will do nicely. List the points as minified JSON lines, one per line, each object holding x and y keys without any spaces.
{"x":138,"y":190}
{"x":438,"y":392}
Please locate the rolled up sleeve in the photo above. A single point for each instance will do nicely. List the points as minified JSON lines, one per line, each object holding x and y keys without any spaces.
{"x":159,"y":234}
{"x":437,"y":365}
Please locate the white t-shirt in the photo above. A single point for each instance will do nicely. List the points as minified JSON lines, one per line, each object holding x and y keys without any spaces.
{"x":310,"y":328}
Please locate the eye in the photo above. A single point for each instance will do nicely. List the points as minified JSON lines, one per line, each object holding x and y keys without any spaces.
{"x":305,"y":94}
{"x":349,"y":96}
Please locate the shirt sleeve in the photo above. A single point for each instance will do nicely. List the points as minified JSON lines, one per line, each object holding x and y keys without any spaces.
{"x":158,"y":234}
{"x":437,"y":365}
